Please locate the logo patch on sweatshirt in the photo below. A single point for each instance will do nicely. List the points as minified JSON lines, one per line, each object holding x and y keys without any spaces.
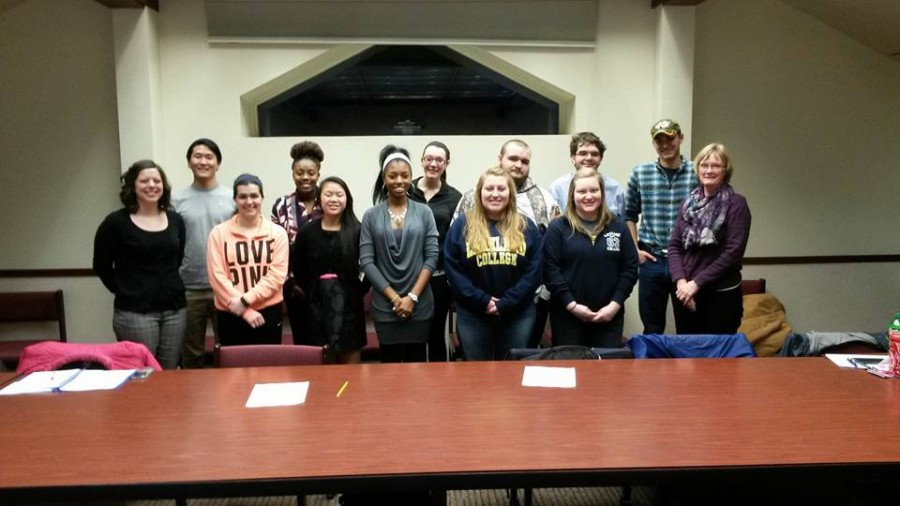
{"x":612,"y":240}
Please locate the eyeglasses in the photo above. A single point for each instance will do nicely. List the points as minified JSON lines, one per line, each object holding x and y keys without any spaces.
{"x":706,"y":165}
{"x":436,"y":159}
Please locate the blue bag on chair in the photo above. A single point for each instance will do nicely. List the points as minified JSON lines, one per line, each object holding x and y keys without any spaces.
{"x":690,"y":346}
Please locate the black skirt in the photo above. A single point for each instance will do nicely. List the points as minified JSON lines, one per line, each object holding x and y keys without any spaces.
{"x":337,"y":315}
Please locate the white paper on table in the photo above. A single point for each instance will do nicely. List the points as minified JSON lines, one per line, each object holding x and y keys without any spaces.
{"x":277,"y":394}
{"x":97,"y":379}
{"x":542,"y":376}
{"x":41,"y":382}
{"x":843,"y":359}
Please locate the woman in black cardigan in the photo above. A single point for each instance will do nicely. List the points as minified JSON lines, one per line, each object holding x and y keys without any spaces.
{"x":137,"y":252}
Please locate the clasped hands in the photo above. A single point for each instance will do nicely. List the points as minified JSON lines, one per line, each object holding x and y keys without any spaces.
{"x":251,"y":316}
{"x":604,"y":314}
{"x":492,"y":307}
{"x":403,"y":307}
{"x":685,"y":291}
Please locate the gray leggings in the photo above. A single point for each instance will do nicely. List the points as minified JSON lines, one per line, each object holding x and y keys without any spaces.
{"x":161,"y":332}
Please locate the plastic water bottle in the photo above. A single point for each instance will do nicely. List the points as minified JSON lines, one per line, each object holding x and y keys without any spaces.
{"x":894,"y":345}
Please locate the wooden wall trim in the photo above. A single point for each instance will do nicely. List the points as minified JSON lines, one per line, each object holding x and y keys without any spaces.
{"x":47,"y":273}
{"x":797,"y":260}
{"x":690,"y":3}
{"x":823,"y":259}
{"x":130,"y":4}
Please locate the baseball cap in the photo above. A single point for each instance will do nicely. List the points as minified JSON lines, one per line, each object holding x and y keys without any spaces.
{"x":665,"y":126}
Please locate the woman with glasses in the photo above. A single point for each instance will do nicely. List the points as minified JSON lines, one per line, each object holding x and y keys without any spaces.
{"x":706,"y":249}
{"x":432,"y":189}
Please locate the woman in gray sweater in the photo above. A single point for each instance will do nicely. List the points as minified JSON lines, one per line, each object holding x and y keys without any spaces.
{"x":398,"y":250}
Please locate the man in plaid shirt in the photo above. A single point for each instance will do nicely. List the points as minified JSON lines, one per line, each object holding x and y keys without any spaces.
{"x":656,"y":191}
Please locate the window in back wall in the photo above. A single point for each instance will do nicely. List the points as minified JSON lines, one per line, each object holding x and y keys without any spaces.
{"x":408,"y":90}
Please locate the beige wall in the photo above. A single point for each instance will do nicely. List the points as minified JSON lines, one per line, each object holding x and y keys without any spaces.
{"x":59,"y":141}
{"x":809,"y":115}
{"x":59,"y":149}
{"x":802,"y":106}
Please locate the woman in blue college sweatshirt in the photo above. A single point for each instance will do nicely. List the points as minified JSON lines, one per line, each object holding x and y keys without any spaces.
{"x":493,"y":260}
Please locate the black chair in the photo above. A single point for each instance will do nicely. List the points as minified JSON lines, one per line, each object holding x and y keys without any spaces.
{"x":567,"y":352}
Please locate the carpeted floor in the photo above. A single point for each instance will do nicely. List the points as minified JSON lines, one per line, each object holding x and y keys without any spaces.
{"x":590,"y":496}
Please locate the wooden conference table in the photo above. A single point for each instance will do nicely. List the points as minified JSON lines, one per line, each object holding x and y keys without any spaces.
{"x":453,"y":426}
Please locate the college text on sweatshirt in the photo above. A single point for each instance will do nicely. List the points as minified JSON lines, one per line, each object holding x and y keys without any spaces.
{"x":496,"y":254}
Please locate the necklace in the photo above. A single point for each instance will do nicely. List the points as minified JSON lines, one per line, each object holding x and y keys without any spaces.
{"x":398,"y":218}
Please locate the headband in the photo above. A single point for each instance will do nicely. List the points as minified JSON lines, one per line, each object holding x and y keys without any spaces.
{"x":395,"y":156}
{"x":247,"y":179}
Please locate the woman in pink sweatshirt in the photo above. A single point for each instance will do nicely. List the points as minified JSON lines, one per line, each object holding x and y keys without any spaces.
{"x":247,"y":260}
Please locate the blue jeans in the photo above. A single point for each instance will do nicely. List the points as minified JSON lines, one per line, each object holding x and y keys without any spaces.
{"x":655,"y":287}
{"x":485,"y":337}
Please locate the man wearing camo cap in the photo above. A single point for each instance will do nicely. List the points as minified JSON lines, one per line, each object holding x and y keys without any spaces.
{"x":655,"y":193}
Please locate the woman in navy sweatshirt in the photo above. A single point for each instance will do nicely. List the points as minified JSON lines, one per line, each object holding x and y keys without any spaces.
{"x":493,"y":260}
{"x":590,"y":267}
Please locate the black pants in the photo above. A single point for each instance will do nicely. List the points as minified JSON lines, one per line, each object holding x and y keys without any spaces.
{"x":567,"y":330}
{"x":717,"y":313}
{"x":233,"y":330}
{"x":437,"y":341}
{"x":298,"y":315}
{"x":402,"y":353}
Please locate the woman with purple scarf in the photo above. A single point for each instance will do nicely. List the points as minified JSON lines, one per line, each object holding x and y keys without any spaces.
{"x":706,"y":249}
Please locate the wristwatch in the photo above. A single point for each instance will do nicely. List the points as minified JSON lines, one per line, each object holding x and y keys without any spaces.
{"x":413,"y":297}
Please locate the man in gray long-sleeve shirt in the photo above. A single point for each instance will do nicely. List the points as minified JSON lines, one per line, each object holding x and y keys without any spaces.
{"x":203,"y":205}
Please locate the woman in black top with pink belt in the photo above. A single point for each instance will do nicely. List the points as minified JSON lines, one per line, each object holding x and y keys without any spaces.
{"x":325,"y":263}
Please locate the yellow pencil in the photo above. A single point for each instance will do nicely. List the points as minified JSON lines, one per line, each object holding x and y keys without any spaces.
{"x":342,"y":388}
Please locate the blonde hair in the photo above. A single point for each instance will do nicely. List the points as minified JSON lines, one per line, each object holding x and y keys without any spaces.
{"x":604,"y":216}
{"x":511,"y":224}
{"x":724,"y":157}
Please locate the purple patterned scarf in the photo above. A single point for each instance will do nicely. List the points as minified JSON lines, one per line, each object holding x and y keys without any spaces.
{"x":704,"y":216}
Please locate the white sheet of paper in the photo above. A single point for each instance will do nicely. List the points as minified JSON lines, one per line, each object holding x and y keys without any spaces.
{"x":97,"y":379}
{"x":40,"y":382}
{"x":277,"y":394}
{"x":555,"y":377}
{"x":843,"y":359}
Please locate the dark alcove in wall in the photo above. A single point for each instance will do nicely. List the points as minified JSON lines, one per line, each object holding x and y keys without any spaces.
{"x":408,"y":90}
